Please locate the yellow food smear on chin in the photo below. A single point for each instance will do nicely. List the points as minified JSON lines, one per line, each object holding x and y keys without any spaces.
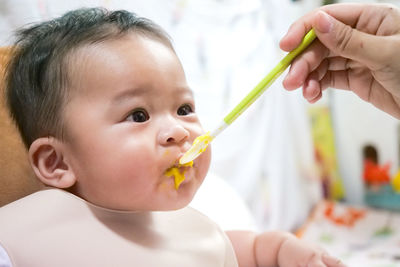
{"x":179,"y":177}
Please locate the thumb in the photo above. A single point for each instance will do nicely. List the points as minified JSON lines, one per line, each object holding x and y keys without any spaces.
{"x":348,"y":42}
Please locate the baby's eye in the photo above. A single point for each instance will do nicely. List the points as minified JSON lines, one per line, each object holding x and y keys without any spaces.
{"x":185,"y":110}
{"x":138,"y":115}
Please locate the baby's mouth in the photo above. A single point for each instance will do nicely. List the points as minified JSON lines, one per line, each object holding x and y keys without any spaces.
{"x":178,"y":171}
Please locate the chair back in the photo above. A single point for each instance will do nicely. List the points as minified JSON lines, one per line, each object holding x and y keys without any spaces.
{"x":17,"y":178}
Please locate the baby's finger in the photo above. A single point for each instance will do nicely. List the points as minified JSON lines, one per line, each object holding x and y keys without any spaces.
{"x":316,"y":264}
{"x":316,"y":261}
{"x":332,"y":261}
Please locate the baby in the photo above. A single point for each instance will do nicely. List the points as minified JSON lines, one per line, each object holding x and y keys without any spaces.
{"x":103,"y":106}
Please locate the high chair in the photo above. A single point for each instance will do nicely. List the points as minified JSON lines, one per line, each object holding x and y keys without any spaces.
{"x":16,"y":176}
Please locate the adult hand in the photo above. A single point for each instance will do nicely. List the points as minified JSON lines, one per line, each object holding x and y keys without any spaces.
{"x":358,"y":49}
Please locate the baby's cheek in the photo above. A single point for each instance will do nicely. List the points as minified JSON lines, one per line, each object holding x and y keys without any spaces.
{"x":203,"y":163}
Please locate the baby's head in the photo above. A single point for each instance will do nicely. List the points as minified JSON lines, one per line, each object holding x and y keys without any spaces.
{"x":102,"y":104}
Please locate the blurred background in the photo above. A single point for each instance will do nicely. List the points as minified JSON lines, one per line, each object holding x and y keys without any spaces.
{"x":282,"y":156}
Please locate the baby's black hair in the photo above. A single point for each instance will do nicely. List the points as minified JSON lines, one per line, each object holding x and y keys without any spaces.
{"x":37,"y":73}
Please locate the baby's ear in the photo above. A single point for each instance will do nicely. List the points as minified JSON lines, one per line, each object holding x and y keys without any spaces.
{"x":48,"y":162}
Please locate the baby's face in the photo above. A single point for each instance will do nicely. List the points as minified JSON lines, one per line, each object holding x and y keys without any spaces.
{"x":131,"y":117}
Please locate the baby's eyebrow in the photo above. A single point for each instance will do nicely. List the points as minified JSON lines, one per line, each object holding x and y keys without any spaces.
{"x":185,"y":90}
{"x":130,"y":93}
{"x":140,"y":91}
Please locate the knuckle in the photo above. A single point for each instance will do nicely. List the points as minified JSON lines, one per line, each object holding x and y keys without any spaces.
{"x":388,"y":54}
{"x":390,"y":8}
{"x":344,"y":38}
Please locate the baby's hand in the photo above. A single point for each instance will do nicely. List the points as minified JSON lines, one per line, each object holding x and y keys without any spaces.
{"x":296,"y":253}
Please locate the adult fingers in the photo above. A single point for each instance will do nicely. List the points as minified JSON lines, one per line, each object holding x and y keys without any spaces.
{"x":314,"y":85}
{"x":304,"y":64}
{"x":334,"y":64}
{"x":335,"y":79}
{"x":312,"y":90}
{"x":347,"y":42}
{"x":347,"y":13}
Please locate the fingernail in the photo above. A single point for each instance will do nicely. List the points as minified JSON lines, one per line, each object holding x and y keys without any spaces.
{"x":284,"y":37}
{"x":324,"y":22}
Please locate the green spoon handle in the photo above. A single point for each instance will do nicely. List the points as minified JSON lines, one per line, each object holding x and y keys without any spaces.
{"x":269,"y":79}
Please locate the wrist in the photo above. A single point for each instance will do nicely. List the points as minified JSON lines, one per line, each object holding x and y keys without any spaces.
{"x":268,"y":246}
{"x":286,"y":238}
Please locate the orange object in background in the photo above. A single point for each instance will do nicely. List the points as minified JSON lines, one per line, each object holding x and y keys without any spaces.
{"x":374,"y":174}
{"x":346,"y":218}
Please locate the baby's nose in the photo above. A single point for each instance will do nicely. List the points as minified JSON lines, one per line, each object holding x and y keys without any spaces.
{"x":174,"y":134}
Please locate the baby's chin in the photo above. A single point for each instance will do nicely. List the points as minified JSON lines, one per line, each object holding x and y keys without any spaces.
{"x":175,"y":206}
{"x":182,"y":201}
{"x":166,"y":206}
{"x":176,"y":200}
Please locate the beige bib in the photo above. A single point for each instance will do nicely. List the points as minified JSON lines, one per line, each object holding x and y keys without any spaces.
{"x":56,"y":228}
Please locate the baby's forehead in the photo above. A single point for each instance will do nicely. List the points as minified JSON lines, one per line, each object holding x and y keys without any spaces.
{"x":88,"y":58}
{"x":79,"y":56}
{"x":128,"y":58}
{"x":114,"y":41}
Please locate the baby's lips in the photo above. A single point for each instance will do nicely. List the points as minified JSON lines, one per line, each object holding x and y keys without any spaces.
{"x":176,"y":164}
